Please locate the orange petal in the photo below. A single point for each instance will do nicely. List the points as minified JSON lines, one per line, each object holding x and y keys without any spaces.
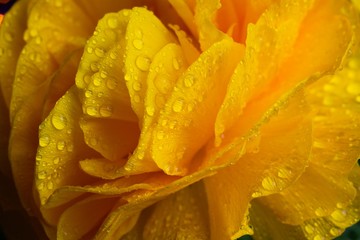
{"x":282,"y":43}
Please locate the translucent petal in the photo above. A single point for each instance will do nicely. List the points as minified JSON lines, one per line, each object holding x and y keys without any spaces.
{"x":187,"y":119}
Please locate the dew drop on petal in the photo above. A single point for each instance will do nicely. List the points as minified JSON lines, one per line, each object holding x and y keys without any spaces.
{"x":178,"y":105}
{"x":138,"y":44}
{"x":99,"y":52}
{"x":56,"y":160}
{"x":339,"y":215}
{"x":189,"y":81}
{"x":112,"y":22}
{"x":59,"y":121}
{"x":41,"y":175}
{"x":137,"y":86}
{"x":105,"y":111}
{"x":150,"y":110}
{"x":50,"y":185}
{"x":268,"y":183}
{"x":60,"y":145}
{"x":44,"y":141}
{"x":88,"y":93}
{"x":309,"y":229}
{"x":143,"y":63}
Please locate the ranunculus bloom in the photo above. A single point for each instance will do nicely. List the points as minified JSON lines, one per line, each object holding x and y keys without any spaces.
{"x":207,"y":119}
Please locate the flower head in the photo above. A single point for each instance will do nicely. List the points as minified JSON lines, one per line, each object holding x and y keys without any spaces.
{"x":173,"y":119}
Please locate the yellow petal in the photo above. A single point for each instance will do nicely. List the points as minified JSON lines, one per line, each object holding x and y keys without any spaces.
{"x":11,"y":42}
{"x":179,"y":216}
{"x":141,"y":47}
{"x":277,"y":161}
{"x":205,"y":12}
{"x":337,"y":102}
{"x":168,"y":64}
{"x":186,"y":122}
{"x":79,"y":219}
{"x":100,"y":76}
{"x":61,"y":144}
{"x":113,"y":139}
{"x":282,"y":45}
{"x":185,"y":11}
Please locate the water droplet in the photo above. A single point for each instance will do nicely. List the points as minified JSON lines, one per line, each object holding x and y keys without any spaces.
{"x":93,"y":141}
{"x":41,"y":175}
{"x":339,"y":215}
{"x":88,"y":93}
{"x":141,"y":155}
{"x":59,"y":121}
{"x":320,"y":212}
{"x":335,"y":231}
{"x":126,"y":12}
{"x":97,"y":81}
{"x":160,"y":135}
{"x":87,"y":79}
{"x":56,"y":160}
{"x":91,"y":111}
{"x":138,"y":33}
{"x":178,"y":105}
{"x":143,"y":63}
{"x":99,"y":52}
{"x":189,"y":80}
{"x":60,"y":145}
{"x":94,"y":67}
{"x":269,"y":184}
{"x":309,"y":229}
{"x":44,"y":141}
{"x":111,"y":83}
{"x":50,"y":185}
{"x":137,"y":98}
{"x":150,"y":110}
{"x":90,"y":50}
{"x":112,"y":22}
{"x":318,"y":237}
{"x":137,"y":86}
{"x":105,"y":111}
{"x":176,"y":64}
{"x":138,"y":44}
{"x":40,"y":186}
{"x":103,"y":74}
{"x":284,"y":173}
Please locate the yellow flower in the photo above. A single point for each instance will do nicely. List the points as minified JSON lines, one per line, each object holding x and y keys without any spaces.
{"x":201,"y":119}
